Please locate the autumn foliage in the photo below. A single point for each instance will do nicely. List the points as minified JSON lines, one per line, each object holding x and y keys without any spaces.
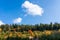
{"x":26,"y":32}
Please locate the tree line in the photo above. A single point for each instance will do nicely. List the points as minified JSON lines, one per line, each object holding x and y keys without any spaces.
{"x":36,"y":27}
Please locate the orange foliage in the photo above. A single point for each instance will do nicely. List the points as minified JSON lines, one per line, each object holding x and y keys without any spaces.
{"x":31,"y":33}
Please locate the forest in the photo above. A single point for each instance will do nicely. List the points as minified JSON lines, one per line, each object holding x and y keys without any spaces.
{"x":30,"y":32}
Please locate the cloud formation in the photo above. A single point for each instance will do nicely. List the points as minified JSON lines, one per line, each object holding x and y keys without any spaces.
{"x":1,"y":23}
{"x":32,"y":9}
{"x":17,"y":20}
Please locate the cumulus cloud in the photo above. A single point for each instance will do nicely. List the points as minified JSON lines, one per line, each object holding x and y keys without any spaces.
{"x":1,"y":23}
{"x":32,"y":9}
{"x":17,"y":20}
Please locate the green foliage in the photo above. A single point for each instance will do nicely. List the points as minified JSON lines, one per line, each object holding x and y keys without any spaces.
{"x":20,"y":32}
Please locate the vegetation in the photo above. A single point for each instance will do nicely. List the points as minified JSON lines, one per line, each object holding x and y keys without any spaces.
{"x":30,"y":32}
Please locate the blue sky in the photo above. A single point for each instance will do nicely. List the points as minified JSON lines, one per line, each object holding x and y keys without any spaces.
{"x":11,"y":10}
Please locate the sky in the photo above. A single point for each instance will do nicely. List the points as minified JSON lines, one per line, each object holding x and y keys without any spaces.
{"x":29,"y":11}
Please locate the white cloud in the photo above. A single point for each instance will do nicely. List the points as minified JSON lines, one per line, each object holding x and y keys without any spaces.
{"x":1,"y":23}
{"x":32,"y":9}
{"x":17,"y":20}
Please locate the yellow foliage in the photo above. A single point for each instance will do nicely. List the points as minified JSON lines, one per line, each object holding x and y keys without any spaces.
{"x":19,"y":34}
{"x":59,"y":30}
{"x":0,"y":29}
{"x":48,"y":32}
{"x":10,"y":35}
{"x":5,"y":36}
